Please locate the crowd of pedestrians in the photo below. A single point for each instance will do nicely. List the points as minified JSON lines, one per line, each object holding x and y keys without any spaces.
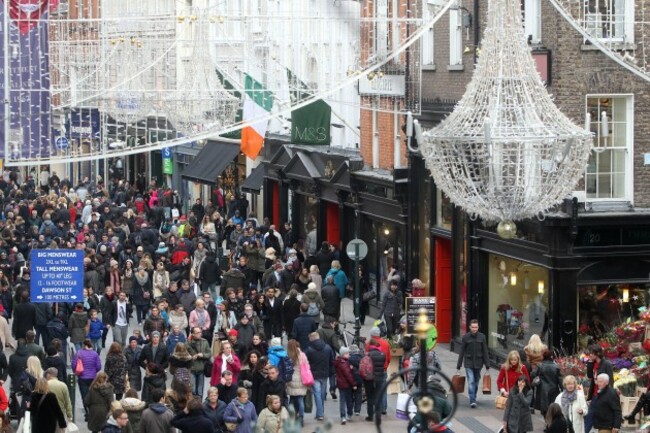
{"x":206,"y":321}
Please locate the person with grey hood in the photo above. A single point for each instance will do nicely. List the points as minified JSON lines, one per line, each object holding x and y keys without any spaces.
{"x":313,"y":299}
{"x":157,"y":418}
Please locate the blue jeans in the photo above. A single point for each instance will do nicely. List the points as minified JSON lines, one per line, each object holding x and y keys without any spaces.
{"x":383,"y":405}
{"x":84,"y":387}
{"x":97,"y":345}
{"x":473,"y":378}
{"x":298,"y":402}
{"x":199,"y":381}
{"x":345,"y":403}
{"x":320,"y":392}
{"x":589,"y":419}
{"x":357,"y":397}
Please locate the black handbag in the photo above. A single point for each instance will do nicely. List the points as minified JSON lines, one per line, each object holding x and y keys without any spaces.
{"x":207,"y":368}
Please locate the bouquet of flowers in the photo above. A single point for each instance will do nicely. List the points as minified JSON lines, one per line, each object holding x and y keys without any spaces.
{"x":625,"y":382}
{"x":572,"y":365}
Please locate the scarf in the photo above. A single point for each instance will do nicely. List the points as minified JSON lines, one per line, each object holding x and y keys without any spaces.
{"x":142,"y":279}
{"x":567,"y":400}
{"x":200,"y":316}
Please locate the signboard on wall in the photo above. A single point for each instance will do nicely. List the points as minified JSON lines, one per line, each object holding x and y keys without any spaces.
{"x":412,"y":308}
{"x":167,"y":161}
{"x":57,"y":275}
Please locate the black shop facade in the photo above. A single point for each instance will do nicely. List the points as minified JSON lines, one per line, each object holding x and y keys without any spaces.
{"x":328,"y":195}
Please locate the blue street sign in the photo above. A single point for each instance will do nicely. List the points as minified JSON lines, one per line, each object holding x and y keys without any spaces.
{"x":57,"y":275}
{"x":166,"y":152}
{"x":62,"y":143}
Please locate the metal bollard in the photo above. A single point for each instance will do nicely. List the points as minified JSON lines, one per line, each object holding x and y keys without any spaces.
{"x":72,"y":389}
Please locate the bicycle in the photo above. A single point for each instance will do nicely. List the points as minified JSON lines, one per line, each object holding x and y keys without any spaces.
{"x":349,"y":336}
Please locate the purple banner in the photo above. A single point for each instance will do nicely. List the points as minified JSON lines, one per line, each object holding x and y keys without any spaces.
{"x":30,"y":132}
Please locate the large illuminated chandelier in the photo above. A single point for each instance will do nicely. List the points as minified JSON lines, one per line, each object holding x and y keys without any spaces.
{"x":129,"y":100}
{"x":200,"y":101}
{"x":506,"y":153}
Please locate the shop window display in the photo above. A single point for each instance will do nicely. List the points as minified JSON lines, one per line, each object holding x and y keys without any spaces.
{"x":518,"y":303}
{"x":603,"y":308}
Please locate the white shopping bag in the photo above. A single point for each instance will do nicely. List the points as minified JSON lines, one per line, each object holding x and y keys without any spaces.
{"x":402,"y":408}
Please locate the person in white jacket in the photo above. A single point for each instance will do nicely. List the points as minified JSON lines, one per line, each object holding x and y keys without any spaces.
{"x":573,"y":403}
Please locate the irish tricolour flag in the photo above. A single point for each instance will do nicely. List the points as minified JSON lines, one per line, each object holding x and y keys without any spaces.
{"x":258,"y":103}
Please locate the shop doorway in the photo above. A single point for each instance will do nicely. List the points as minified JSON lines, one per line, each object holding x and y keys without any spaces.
{"x":443,"y":289}
{"x":333,"y":225}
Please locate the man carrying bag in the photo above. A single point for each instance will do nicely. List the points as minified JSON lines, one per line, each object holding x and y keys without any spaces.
{"x":474,"y":354}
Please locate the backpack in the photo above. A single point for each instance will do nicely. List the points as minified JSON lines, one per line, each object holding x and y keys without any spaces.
{"x":366,"y":369}
{"x":286,"y":369}
{"x":313,"y":309}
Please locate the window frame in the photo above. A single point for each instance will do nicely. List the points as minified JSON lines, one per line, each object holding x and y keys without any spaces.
{"x":593,"y":22}
{"x":455,"y":37}
{"x":428,"y":45}
{"x":628,"y":181}
{"x":533,"y":20}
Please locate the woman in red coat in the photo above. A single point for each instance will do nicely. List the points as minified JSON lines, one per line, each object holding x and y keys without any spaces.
{"x":510,"y":372}
{"x":345,"y":383}
{"x":225,"y":360}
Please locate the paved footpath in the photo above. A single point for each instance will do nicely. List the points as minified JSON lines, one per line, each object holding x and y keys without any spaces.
{"x":484,"y":419}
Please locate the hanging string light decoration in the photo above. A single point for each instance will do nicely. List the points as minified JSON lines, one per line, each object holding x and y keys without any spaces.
{"x":200,"y":101}
{"x":506,"y":153}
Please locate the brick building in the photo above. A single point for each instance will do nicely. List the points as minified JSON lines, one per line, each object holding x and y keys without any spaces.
{"x":585,"y":263}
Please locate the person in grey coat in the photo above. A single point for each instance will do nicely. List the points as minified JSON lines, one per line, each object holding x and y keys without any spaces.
{"x":474,"y":354}
{"x":517,"y":417}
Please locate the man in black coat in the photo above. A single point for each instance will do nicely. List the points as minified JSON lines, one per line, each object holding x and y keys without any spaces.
{"x":474,"y":354}
{"x":272,"y":314}
{"x":154,"y":352}
{"x":321,"y":362}
{"x":272,"y":385}
{"x":303,"y":326}
{"x":24,"y":316}
{"x":596,"y":366}
{"x":324,"y":258}
{"x":606,"y":406}
{"x":330,"y":295}
{"x":209,"y":273}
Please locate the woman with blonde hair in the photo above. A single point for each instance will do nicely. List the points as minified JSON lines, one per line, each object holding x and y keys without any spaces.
{"x":316,"y":277}
{"x":28,"y":379}
{"x":46,"y":414}
{"x":535,"y":351}
{"x":573,"y":403}
{"x":98,"y":401}
{"x":272,"y":418}
{"x":510,"y":372}
{"x":296,"y":389}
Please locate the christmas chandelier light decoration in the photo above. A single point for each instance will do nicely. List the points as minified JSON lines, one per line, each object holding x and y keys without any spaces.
{"x":200,"y":101}
{"x":506,"y":153}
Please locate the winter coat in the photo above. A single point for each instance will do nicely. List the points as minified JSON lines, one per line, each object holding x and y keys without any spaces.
{"x":271,"y":422}
{"x":77,"y":326}
{"x":572,"y":415}
{"x":156,"y":419}
{"x":116,"y":368}
{"x":603,"y":367}
{"x":232,"y":279}
{"x":133,"y":408}
{"x":17,"y":364}
{"x":549,"y":386}
{"x":321,"y":359}
{"x":331,"y":300}
{"x":216,"y":369}
{"x":152,"y":324}
{"x":290,"y":312}
{"x":161,"y":358}
{"x":303,"y":325}
{"x":95,"y":329}
{"x":606,"y":409}
{"x":245,"y":337}
{"x":179,"y":320}
{"x":313,"y":295}
{"x":559,"y":425}
{"x":473,"y":351}
{"x":151,"y":382}
{"x":195,"y":346}
{"x":46,"y":413}
{"x":139,"y":290}
{"x":133,"y":367}
{"x":57,"y":362}
{"x":517,"y":413}
{"x":344,"y":376}
{"x":43,"y":313}
{"x":243,"y":415}
{"x":324,"y":259}
{"x":200,"y":316}
{"x":98,"y":401}
{"x":295,"y":386}
{"x":91,"y":362}
{"x":275,"y":354}
{"x":193,"y":422}
{"x":328,"y":335}
{"x":392,"y":304}
{"x":215,"y":415}
{"x":209,"y":271}
{"x":340,"y":280}
{"x":533,"y":358}
{"x":512,"y":377}
{"x":270,"y":387}
{"x":187,"y":298}
{"x":378,"y":361}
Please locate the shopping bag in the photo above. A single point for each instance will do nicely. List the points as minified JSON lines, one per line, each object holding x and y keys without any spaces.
{"x":72,"y":427}
{"x":79,"y":368}
{"x":309,"y":401}
{"x":381,"y":324}
{"x":402,"y":407}
{"x":458,"y":384}
{"x":500,"y":402}
{"x":487,"y":384}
